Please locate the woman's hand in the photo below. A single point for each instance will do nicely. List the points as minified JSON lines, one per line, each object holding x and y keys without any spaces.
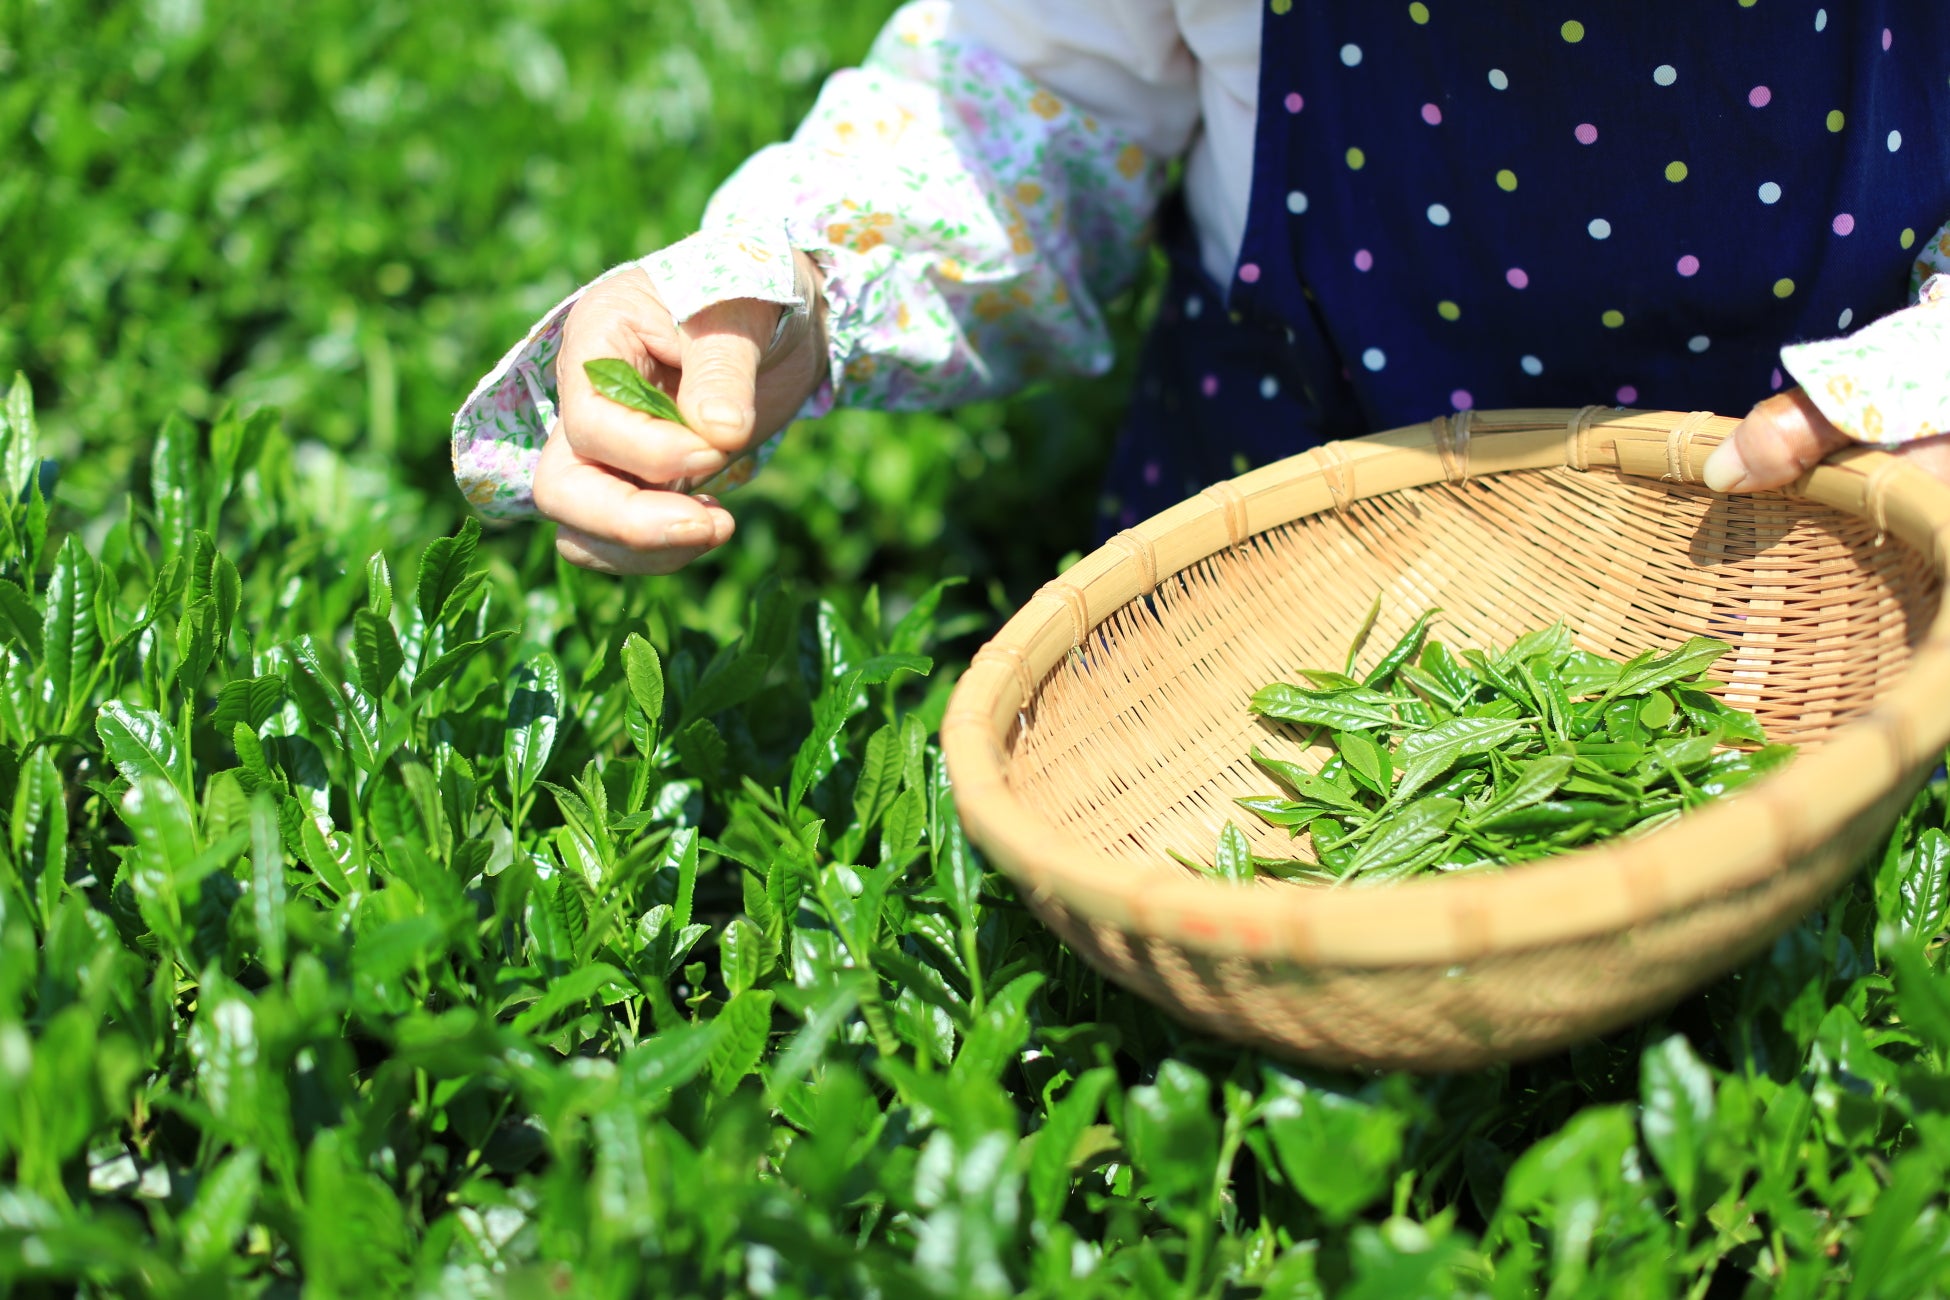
{"x":608,"y":473}
{"x":1785,"y":436}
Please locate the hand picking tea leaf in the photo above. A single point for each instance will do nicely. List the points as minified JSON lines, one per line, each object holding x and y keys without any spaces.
{"x":620,"y":382}
{"x":1449,"y":762}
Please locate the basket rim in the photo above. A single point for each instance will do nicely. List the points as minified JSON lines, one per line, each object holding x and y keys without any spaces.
{"x":1727,"y":846}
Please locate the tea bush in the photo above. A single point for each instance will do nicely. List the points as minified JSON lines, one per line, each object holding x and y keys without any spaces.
{"x":391,"y":912}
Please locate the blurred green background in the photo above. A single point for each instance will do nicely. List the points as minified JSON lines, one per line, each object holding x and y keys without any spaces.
{"x":350,"y":210}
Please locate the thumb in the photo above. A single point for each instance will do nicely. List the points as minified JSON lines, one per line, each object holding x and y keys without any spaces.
{"x":717,"y":392}
{"x":1779,"y":441}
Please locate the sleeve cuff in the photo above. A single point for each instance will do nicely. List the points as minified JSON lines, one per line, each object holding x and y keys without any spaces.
{"x":1886,"y":382}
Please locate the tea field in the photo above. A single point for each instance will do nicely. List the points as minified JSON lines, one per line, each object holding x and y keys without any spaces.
{"x":387,"y":909}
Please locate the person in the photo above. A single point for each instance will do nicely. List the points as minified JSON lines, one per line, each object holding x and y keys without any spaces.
{"x":1386,"y":212}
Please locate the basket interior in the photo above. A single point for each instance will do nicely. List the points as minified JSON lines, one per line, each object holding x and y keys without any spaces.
{"x":1138,"y":743}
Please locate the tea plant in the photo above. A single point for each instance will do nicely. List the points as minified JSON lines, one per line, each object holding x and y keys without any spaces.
{"x":488,"y":932}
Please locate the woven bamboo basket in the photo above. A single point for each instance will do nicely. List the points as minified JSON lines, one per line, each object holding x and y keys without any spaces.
{"x":1106,"y":724}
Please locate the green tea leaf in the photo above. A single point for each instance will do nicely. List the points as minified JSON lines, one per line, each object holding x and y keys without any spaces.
{"x":744,"y":1026}
{"x":376,"y":648}
{"x":643,"y":670}
{"x":1686,"y":662}
{"x":1676,"y":1113}
{"x":1402,"y":652}
{"x":1925,"y":889}
{"x":622,"y":383}
{"x":1341,"y":711}
{"x":1429,"y":753}
{"x":534,"y":711}
{"x":442,"y":567}
{"x":140,"y":744}
{"x":1397,"y":838}
{"x":69,"y":637}
{"x":1233,"y":861}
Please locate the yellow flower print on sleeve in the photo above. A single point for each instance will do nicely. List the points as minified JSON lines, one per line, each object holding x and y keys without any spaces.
{"x":1029,"y":192}
{"x":1045,"y":105}
{"x":1841,"y":387}
{"x":1130,"y":161}
{"x":1871,"y":421}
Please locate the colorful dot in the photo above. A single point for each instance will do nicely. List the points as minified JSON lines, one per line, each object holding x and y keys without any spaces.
{"x":1843,"y":224}
{"x":1193,"y":306}
{"x":1282,"y":6}
{"x":1296,"y":202}
{"x":1843,"y":321}
{"x":1599,"y":228}
{"x":1418,"y":13}
{"x":1356,"y":160}
{"x":1518,"y":278}
{"x":1432,"y":115}
{"x":1821,"y":20}
{"x":1506,"y":180}
{"x":1438,"y":215}
{"x":1747,"y":4}
{"x":1586,"y":133}
{"x":1908,"y":237}
{"x":1626,"y":395}
{"x":1374,"y":358}
{"x":1895,"y":141}
{"x":1613,"y":318}
{"x":1760,"y":96}
{"x":1151,"y":473}
{"x":1532,"y":366}
{"x":1363,"y":260}
{"x":1448,"y":310}
{"x":1687,"y":265}
{"x":1675,"y":171}
{"x":1665,"y":74}
{"x":1209,"y":385}
{"x":1836,"y":119}
{"x":1461,"y":400}
{"x":1269,"y":388}
{"x":1698,"y":343}
{"x":1887,"y":37}
{"x":1293,"y":101}
{"x":1769,"y":192}
{"x":1572,"y":31}
{"x":1351,"y":54}
{"x":1499,"y":79}
{"x":1249,"y":272}
{"x":1774,"y":380}
{"x":1783,"y":287}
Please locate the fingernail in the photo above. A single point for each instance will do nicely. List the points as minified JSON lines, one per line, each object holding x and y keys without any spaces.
{"x":703,"y":462}
{"x":689,"y":532}
{"x":1725,"y":471}
{"x":721,"y":413}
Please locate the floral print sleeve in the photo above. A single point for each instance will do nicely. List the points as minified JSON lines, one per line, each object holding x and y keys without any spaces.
{"x":1886,"y":382}
{"x":967,"y":221}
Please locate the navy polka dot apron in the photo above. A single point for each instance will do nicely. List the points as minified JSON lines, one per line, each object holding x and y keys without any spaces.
{"x":1517,"y":204}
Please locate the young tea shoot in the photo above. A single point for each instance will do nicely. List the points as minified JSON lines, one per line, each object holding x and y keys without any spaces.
{"x":1450,"y":762}
{"x":620,"y":382}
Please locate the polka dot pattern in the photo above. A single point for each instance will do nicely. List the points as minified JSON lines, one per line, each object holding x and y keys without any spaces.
{"x":1530,"y":212}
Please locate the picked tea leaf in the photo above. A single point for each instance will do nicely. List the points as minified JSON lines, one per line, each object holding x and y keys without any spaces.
{"x":1445,"y":762}
{"x":621,"y":383}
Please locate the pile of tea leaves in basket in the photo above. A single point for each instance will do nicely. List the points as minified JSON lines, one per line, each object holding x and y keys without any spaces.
{"x":1462,"y":761}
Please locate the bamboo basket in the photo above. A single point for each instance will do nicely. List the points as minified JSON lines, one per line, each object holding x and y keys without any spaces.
{"x":1107,"y":723}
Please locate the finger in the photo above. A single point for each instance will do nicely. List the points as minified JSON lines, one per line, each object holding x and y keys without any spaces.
{"x":587,"y":552}
{"x":719,"y":388}
{"x":1780,"y":440}
{"x":1929,"y":454}
{"x":622,"y":317}
{"x":619,"y":525}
